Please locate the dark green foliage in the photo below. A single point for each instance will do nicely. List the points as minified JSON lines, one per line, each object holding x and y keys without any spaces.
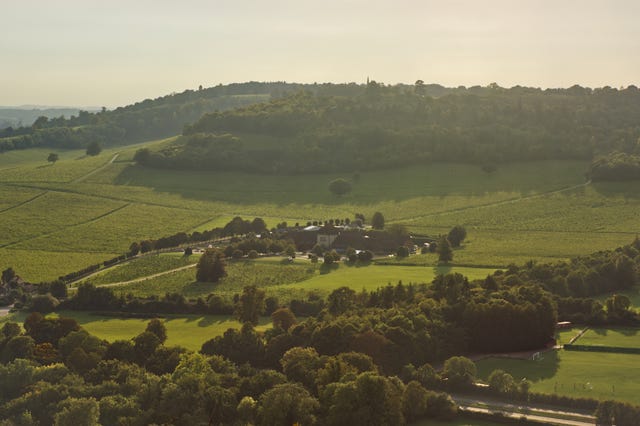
{"x":250,"y":305}
{"x":211,"y":266}
{"x":459,"y":372}
{"x":53,"y":157}
{"x":369,"y":400}
{"x":303,"y":133}
{"x":94,"y":148}
{"x":158,"y":328}
{"x":287,"y":404}
{"x":402,"y":252}
{"x":377,"y":221}
{"x":44,"y":303}
{"x":8,"y":275}
{"x":616,"y":166}
{"x":457,"y":235}
{"x":341,"y":300}
{"x":340,"y":187}
{"x":445,"y":253}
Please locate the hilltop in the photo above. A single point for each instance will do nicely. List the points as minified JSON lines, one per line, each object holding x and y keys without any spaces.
{"x":395,"y":126}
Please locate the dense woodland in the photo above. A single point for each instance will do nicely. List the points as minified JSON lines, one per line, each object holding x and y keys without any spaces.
{"x":399,"y":125}
{"x":355,"y":352}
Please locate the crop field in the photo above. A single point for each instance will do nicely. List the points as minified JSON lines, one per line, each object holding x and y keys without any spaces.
{"x":189,"y":331}
{"x":143,"y":267}
{"x":575,"y":374}
{"x":83,"y":208}
{"x":618,"y":337}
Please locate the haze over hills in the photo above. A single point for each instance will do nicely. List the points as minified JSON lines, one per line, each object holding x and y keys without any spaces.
{"x":25,"y":115}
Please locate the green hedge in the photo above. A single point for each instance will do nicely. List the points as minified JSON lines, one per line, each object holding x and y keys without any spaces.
{"x":596,"y":348}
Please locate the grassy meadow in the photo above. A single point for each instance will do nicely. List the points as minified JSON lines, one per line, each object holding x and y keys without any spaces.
{"x":57,"y":218}
{"x":575,"y":374}
{"x":188,"y":331}
{"x":618,"y":337}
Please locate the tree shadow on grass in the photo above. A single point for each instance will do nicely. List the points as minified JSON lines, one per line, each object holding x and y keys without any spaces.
{"x":629,"y":332}
{"x":545,"y":366}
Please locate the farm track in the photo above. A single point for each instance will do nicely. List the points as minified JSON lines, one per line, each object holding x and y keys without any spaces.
{"x":148,"y":277}
{"x":24,"y":202}
{"x":94,"y":171}
{"x":93,"y":219}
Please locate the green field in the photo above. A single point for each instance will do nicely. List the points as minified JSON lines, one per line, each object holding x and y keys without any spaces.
{"x":619,"y":337}
{"x":576,"y":374}
{"x":189,"y":331}
{"x":280,"y":278}
{"x":142,"y":267}
{"x":82,"y":210}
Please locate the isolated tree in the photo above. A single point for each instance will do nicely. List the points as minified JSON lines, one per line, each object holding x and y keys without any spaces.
{"x":211,"y":266}
{"x":377,"y":221}
{"x":445,"y":253}
{"x":94,"y":148}
{"x":53,"y":157}
{"x":250,"y":305}
{"x":339,"y":187}
{"x":457,"y":235}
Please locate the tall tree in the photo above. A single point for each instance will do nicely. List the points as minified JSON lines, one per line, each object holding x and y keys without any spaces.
{"x":377,"y":221}
{"x":457,"y":235}
{"x":445,"y":253}
{"x":211,"y":266}
{"x":53,"y":157}
{"x":250,"y":305}
{"x":94,"y":148}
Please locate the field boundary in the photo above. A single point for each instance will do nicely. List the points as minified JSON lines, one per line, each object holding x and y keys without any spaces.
{"x":600,"y":348}
{"x":24,"y":202}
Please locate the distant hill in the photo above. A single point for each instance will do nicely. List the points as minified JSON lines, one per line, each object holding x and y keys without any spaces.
{"x":388,"y":126}
{"x":161,"y":117}
{"x":27,"y":115}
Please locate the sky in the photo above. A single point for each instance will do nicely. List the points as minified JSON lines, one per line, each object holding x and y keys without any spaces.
{"x":113,"y":53}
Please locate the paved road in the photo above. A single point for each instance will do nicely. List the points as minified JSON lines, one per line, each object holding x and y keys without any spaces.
{"x":532,"y":412}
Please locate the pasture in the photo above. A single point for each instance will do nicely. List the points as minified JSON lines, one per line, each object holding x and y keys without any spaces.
{"x":575,"y":374}
{"x":83,"y":210}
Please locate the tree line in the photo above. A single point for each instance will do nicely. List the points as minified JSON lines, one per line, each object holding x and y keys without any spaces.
{"x":384,"y":127}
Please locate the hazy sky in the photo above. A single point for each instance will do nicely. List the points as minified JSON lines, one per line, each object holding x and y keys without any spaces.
{"x":111,"y":53}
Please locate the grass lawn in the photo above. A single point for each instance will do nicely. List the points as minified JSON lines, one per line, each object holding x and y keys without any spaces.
{"x":618,"y":337}
{"x":576,"y":374}
{"x":565,"y":336}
